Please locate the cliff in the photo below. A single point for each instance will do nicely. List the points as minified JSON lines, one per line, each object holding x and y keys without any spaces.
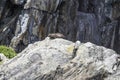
{"x":26,"y":21}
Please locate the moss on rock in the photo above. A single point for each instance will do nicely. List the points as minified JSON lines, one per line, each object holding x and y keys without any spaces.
{"x":7,"y":51}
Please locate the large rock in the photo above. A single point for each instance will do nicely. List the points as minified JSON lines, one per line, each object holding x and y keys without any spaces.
{"x":52,"y":60}
{"x":89,"y":30}
{"x":34,"y":20}
{"x":26,"y":21}
{"x":98,"y":22}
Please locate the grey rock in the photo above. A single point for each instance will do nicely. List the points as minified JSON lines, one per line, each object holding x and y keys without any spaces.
{"x":84,"y":20}
{"x":50,"y":59}
{"x":3,"y":58}
{"x":45,"y":5}
{"x":18,"y":2}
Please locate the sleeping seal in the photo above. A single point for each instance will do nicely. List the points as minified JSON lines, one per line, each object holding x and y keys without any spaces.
{"x":56,"y":35}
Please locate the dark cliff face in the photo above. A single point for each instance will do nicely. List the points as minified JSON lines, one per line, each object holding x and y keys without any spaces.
{"x":25,"y":21}
{"x":100,"y":22}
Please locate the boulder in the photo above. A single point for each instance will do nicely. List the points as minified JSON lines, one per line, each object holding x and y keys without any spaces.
{"x":51,"y":59}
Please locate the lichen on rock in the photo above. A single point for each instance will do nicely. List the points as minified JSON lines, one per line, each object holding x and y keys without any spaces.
{"x":52,"y":59}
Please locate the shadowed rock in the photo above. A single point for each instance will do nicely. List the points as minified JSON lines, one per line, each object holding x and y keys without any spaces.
{"x":26,"y":21}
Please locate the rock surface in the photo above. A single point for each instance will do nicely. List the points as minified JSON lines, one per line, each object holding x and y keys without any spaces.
{"x":3,"y":58}
{"x":99,"y":22}
{"x":26,"y":21}
{"x":51,"y":59}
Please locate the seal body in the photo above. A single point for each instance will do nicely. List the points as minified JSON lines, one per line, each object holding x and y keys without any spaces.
{"x":56,"y":35}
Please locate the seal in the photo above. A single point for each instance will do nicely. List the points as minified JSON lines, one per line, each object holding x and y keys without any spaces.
{"x":56,"y":35}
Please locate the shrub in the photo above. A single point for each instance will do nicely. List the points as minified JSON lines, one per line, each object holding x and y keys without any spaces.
{"x":8,"y":52}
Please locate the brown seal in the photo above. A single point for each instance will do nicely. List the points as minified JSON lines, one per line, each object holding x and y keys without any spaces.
{"x":56,"y":35}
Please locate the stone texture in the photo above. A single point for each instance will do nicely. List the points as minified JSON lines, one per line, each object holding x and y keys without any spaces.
{"x":51,"y":59}
{"x":100,"y":22}
{"x":84,"y":20}
{"x":3,"y":58}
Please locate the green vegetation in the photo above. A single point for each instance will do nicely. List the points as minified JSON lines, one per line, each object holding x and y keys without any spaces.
{"x":8,"y":52}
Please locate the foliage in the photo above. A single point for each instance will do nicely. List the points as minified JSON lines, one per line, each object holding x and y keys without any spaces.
{"x":8,"y":52}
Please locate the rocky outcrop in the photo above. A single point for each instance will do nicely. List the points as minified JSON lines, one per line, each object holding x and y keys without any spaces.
{"x":99,"y":22}
{"x":51,"y":59}
{"x":34,"y":20}
{"x":26,"y":21}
